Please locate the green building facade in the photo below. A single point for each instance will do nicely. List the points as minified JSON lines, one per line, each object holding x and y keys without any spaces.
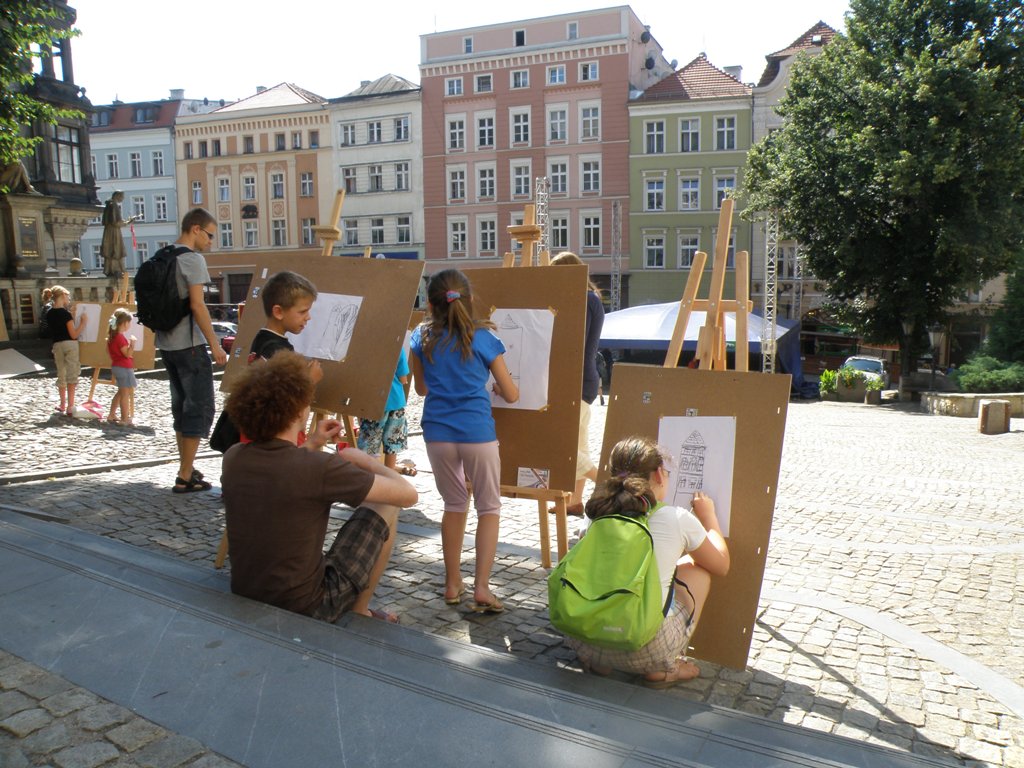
{"x":689,"y":136}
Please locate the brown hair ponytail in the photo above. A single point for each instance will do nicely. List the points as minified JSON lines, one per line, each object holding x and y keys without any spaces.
{"x":628,"y":490}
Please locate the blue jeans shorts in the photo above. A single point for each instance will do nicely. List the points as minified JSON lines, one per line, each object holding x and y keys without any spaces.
{"x":191,"y":375}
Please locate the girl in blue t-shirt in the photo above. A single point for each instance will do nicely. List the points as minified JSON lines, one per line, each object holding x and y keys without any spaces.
{"x":453,"y":356}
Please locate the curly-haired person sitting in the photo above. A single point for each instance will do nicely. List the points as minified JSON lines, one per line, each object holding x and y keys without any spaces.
{"x":277,"y":499}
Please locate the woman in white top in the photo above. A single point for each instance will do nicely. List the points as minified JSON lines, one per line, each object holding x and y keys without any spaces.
{"x":689,"y":548}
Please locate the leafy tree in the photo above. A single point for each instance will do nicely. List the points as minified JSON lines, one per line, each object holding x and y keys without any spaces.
{"x":1006,"y":339}
{"x":25,"y":25}
{"x":900,"y":167}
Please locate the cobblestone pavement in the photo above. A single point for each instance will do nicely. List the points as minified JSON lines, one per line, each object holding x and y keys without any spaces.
{"x":892,"y":609}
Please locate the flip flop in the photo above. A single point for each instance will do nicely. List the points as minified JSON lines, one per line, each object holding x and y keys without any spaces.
{"x":407,"y":470}
{"x":690,"y":672}
{"x":390,"y":618}
{"x":494,"y":606}
{"x":458,"y":597}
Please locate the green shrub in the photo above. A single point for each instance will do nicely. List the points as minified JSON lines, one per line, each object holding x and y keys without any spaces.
{"x":983,"y":373}
{"x":827,"y":382}
{"x":850,"y":377}
{"x":874,"y":385}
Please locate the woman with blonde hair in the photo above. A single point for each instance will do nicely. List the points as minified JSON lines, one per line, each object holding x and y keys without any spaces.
{"x":64,"y":332}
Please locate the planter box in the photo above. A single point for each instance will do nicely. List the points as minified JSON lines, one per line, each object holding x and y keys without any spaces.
{"x":830,"y":397}
{"x":854,"y":394}
{"x":873,"y":397}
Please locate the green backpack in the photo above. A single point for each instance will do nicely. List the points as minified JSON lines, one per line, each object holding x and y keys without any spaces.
{"x":606,"y":590}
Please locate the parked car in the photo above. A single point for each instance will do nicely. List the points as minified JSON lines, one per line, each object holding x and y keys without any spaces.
{"x":226,"y":332}
{"x":871,"y":367}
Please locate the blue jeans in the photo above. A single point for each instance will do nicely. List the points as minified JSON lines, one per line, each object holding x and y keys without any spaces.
{"x":191,"y":375}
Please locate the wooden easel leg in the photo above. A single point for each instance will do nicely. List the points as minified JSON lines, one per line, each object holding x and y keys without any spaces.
{"x":561,"y":526}
{"x":545,"y":534}
{"x":222,"y":552}
{"x":92,"y":387}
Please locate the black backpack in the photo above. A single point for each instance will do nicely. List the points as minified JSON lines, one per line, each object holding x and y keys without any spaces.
{"x":159,"y":306}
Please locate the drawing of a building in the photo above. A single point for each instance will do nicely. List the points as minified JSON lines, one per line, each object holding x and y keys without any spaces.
{"x":690,"y":474}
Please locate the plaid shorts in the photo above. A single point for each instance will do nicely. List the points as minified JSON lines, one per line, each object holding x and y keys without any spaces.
{"x":391,"y":432}
{"x":659,"y":655}
{"x":349,"y":561}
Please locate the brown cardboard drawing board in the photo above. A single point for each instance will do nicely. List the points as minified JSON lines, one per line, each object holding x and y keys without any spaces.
{"x":640,"y":396}
{"x":357,"y":383}
{"x":94,"y":353}
{"x":545,"y":439}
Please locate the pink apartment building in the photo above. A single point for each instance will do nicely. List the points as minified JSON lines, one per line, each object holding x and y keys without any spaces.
{"x":506,"y":103}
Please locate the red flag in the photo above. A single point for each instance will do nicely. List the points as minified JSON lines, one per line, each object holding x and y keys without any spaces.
{"x":135,"y":243}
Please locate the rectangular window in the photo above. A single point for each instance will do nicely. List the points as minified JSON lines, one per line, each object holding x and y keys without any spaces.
{"x":725,"y":133}
{"x":559,"y":233}
{"x":279,"y":145}
{"x":453,"y":86}
{"x":401,"y":176}
{"x":277,"y":186}
{"x":135,"y":163}
{"x":314,"y":139}
{"x":248,"y":187}
{"x":252,"y":234}
{"x":688,"y":247}
{"x":558,"y":121}
{"x":689,"y":135}
{"x":572,"y":30}
{"x":401,"y":129}
{"x":689,"y":194}
{"x":724,"y":187}
{"x":376,"y":173}
{"x":556,"y":75}
{"x":485,"y":183}
{"x":520,"y":38}
{"x":142,"y":248}
{"x":204,"y":150}
{"x":467,"y":45}
{"x":139,"y":207}
{"x":590,"y":173}
{"x":348,"y":134}
{"x":377,"y":231}
{"x":247,"y":145}
{"x":521,"y":78}
{"x":654,"y":137}
{"x":112,"y":167}
{"x":92,"y":165}
{"x":348,"y":180}
{"x":655,"y":199}
{"x":654,"y":252}
{"x":278,"y":232}
{"x":592,"y":231}
{"x":590,"y":123}
{"x":588,"y":71}
{"x":158,"y":163}
{"x":186,"y":150}
{"x":457,"y":238}
{"x":227,"y":235}
{"x":457,"y":134}
{"x":351,"y":227}
{"x":485,"y":132}
{"x":223,"y":190}
{"x":403,"y":229}
{"x":558,"y":178}
{"x":487,"y":236}
{"x":521,"y":180}
{"x":521,"y":128}
{"x":296,"y":139}
{"x":160,"y":207}
{"x":306,"y":184}
{"x":374,"y":134}
{"x":457,"y":185}
{"x":484,"y":83}
{"x":215,"y":147}
{"x":197,"y":193}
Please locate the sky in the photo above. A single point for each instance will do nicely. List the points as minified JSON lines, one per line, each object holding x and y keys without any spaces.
{"x":224,"y":49}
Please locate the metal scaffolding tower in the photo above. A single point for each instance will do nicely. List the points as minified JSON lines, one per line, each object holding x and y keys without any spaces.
{"x":771,"y":287}
{"x":540,"y":186}
{"x":616,"y":271}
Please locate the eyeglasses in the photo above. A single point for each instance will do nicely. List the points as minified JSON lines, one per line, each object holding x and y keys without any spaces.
{"x":209,"y":235}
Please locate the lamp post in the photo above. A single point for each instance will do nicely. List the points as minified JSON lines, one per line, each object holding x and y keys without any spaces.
{"x":935,"y":336}
{"x":908,"y":331}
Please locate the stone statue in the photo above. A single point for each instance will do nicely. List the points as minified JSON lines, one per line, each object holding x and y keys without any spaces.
{"x":112,"y":247}
{"x":15,"y":178}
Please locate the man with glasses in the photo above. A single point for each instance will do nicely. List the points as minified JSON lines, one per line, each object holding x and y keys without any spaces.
{"x":184,"y":350}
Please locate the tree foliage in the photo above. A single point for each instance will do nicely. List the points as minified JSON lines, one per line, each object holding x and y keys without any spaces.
{"x":900,"y":166}
{"x":1006,"y":339}
{"x":25,"y":25}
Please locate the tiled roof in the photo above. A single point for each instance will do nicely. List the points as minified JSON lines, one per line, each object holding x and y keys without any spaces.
{"x":386,"y":84}
{"x":281,"y":95}
{"x":700,"y":79}
{"x":802,"y":43}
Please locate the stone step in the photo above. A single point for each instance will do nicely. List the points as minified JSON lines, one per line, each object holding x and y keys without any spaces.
{"x":266,"y":687}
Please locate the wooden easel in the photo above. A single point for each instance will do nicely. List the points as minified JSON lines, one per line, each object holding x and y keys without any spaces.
{"x":711,"y":340}
{"x":121,"y":296}
{"x":527,"y":235}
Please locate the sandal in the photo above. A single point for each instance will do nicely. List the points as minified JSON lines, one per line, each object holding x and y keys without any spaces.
{"x":684,"y":671}
{"x":493,"y":606}
{"x":390,"y":618}
{"x":457,"y":598}
{"x":407,"y":470}
{"x":190,"y":486}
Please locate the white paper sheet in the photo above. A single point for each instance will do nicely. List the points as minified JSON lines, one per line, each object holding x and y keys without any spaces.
{"x":90,"y":331}
{"x":329,"y":330}
{"x":703,"y":449}
{"x":526,"y":334}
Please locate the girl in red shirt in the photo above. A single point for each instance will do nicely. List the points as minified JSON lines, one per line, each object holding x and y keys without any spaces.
{"x":121,"y":348}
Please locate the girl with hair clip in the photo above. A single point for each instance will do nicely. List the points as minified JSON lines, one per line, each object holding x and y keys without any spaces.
{"x":453,"y":355}
{"x":65,"y":331}
{"x":688,"y":546}
{"x":121,"y":349}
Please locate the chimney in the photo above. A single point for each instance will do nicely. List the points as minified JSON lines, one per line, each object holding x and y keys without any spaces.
{"x":177,"y":94}
{"x":363,"y":83}
{"x":735,"y":72}
{"x":260,"y":88}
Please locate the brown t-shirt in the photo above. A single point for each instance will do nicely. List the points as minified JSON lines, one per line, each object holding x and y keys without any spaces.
{"x":277,"y":499}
